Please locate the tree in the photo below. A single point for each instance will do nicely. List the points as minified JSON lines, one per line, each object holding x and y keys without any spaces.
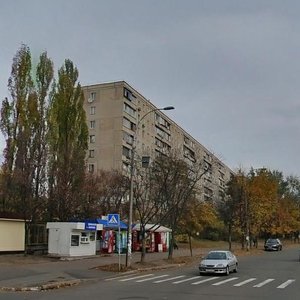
{"x":23,"y":125}
{"x":176,"y":183}
{"x":68,"y":136}
{"x":198,"y":216}
{"x":148,"y":202}
{"x":104,"y":193}
{"x":263,"y":205}
{"x":228,"y":207}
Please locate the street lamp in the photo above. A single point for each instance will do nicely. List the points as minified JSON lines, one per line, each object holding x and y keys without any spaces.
{"x":129,"y":242}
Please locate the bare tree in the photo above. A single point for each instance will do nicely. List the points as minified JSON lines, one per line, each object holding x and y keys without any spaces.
{"x":104,"y":193}
{"x":162,"y":193}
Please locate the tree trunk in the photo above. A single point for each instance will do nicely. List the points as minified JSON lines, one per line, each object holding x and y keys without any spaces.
{"x":190,"y":243}
{"x":171,"y":246}
{"x":229,"y":237}
{"x":143,"y":254}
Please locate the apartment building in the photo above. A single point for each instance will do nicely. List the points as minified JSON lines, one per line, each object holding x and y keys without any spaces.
{"x":120,"y":118}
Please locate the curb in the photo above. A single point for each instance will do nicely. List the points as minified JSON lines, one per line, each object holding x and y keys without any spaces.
{"x":42,"y":287}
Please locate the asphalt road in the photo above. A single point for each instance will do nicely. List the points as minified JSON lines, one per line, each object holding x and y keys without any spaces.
{"x":271,"y":275}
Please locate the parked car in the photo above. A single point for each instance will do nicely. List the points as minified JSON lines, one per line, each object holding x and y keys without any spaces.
{"x":218,"y":262}
{"x":273,"y":245}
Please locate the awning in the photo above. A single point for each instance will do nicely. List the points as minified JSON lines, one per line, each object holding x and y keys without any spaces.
{"x":106,"y":225}
{"x":152,"y":227}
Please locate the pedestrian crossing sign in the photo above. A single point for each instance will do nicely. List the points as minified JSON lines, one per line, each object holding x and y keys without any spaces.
{"x":113,"y":219}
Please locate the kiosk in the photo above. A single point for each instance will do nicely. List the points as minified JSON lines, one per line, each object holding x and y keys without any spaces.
{"x":72,"y":238}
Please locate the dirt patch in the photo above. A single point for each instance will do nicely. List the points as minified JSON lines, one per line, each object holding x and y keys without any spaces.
{"x":183,"y":260}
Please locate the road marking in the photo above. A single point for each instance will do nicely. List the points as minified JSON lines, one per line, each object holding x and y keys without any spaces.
{"x":123,"y":276}
{"x":152,"y":278}
{"x":285,"y":284}
{"x":136,"y":277}
{"x":184,"y":280}
{"x":245,"y":282}
{"x":205,"y":280}
{"x":263,"y":283}
{"x":225,"y":281}
{"x":168,"y":279}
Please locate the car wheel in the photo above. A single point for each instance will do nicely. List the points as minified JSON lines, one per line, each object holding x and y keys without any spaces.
{"x":227,"y":270}
{"x":236,"y":268}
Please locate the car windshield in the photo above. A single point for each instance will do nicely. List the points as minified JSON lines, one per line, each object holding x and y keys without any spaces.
{"x":216,"y":255}
{"x":272,"y":241}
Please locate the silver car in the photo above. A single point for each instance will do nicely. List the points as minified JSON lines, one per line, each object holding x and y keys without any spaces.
{"x":219,"y":262}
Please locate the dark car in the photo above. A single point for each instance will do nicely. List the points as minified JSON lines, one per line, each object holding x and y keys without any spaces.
{"x":273,"y":245}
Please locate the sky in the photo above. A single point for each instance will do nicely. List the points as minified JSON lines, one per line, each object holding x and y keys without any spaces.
{"x":230,"y":68}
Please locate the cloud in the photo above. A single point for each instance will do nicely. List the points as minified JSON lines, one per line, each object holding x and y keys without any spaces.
{"x":230,"y":68}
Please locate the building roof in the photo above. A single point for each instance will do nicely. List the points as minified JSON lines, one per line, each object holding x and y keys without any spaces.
{"x":152,"y":227}
{"x":10,"y":215}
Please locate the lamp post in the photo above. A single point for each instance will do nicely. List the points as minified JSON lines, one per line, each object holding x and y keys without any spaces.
{"x":129,"y":242}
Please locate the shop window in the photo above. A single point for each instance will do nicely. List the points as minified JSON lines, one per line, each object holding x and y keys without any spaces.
{"x":92,"y":236}
{"x":74,"y":240}
{"x":84,"y":239}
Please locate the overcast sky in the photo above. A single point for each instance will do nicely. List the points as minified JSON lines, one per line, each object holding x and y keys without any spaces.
{"x":231,"y":68}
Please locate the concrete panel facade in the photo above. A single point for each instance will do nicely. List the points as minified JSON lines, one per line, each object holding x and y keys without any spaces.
{"x":116,"y":113}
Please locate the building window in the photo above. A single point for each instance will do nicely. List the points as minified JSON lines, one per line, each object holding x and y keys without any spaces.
{"x":126,"y":167}
{"x":208,"y":192}
{"x":207,"y":157}
{"x":93,"y":96}
{"x":92,"y":124}
{"x":92,"y":110}
{"x":162,"y":133}
{"x":92,"y":138}
{"x":128,"y":124}
{"x":128,"y":94}
{"x":129,"y":110}
{"x":128,"y":138}
{"x":91,"y":168}
{"x":126,"y":152}
{"x":161,"y":121}
{"x":91,"y":153}
{"x":189,"y":142}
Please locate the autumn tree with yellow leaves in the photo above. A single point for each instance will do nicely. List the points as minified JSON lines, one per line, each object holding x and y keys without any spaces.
{"x":260,"y":203}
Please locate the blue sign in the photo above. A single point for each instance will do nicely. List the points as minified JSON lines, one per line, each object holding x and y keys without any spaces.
{"x":113,"y":219}
{"x":90,"y":226}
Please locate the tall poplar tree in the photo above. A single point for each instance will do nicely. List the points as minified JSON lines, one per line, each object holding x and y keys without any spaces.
{"x":68,"y":136}
{"x":24,"y":128}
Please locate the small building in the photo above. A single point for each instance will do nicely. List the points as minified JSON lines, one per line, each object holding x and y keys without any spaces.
{"x":72,"y":238}
{"x":157,"y":238}
{"x":12,"y":233}
{"x":109,"y":239}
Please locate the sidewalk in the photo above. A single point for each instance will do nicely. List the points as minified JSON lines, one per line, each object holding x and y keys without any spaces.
{"x":33,"y":272}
